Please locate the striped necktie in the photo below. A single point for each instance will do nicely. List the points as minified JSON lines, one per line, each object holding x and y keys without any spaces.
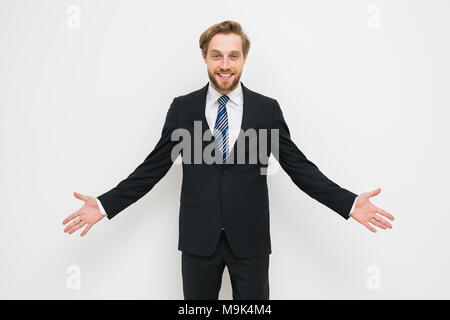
{"x":221,"y":127}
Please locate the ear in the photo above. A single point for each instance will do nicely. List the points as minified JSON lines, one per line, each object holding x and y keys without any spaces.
{"x":204,"y":57}
{"x":245,"y":58}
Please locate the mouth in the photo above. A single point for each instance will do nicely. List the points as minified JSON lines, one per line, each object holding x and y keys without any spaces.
{"x":225,"y":76}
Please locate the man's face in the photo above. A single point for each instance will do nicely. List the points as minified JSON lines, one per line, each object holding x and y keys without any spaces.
{"x":225,"y":61}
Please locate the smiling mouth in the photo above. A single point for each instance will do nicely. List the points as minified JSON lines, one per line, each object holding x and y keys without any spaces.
{"x":225,"y":76}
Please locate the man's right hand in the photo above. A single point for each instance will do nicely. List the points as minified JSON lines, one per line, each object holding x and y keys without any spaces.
{"x":88,"y":215}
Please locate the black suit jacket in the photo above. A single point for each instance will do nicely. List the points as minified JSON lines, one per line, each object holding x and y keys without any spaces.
{"x":232,"y":196}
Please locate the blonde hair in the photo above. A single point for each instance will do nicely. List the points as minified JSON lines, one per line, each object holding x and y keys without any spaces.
{"x":225,"y":27}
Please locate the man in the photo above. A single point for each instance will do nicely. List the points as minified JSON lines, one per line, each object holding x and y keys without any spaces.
{"x":224,"y":205}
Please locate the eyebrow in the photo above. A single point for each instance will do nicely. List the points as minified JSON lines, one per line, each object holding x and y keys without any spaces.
{"x":215,"y":50}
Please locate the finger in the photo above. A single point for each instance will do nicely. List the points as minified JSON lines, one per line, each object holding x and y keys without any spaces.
{"x":89,"y":226}
{"x":72,"y":216}
{"x":78,"y":226}
{"x":382,"y":221}
{"x":373,"y":193}
{"x":72,"y":224}
{"x":378,"y":224}
{"x":384,"y":213}
{"x":80,"y":196}
{"x":368,"y":226}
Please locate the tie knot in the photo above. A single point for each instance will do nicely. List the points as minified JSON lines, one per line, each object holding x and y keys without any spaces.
{"x":224,"y":99}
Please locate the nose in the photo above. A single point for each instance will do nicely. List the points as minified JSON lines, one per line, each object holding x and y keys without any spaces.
{"x":225,"y":64}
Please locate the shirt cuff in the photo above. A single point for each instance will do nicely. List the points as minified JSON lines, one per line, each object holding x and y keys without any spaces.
{"x":102,"y":210}
{"x":353,"y":206}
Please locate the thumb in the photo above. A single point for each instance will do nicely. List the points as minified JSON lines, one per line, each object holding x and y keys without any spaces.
{"x":374,"y":192}
{"x":80,"y":196}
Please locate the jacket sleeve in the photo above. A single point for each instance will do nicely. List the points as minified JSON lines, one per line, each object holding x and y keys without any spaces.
{"x":147,"y":174}
{"x":304,"y":173}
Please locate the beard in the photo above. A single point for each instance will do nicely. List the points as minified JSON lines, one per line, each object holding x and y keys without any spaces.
{"x":227,"y":86}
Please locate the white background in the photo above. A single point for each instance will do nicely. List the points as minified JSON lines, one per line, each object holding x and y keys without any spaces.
{"x":364,"y":87}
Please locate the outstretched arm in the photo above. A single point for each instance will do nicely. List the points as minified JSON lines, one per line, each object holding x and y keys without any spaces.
{"x":147,"y":174}
{"x":131,"y":189}
{"x":304,"y":173}
{"x":312,"y":181}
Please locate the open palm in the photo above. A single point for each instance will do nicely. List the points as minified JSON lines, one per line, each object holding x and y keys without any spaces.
{"x":368,"y":214}
{"x":88,"y":215}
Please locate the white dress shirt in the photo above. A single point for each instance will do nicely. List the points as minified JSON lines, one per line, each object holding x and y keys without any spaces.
{"x":234,"y":108}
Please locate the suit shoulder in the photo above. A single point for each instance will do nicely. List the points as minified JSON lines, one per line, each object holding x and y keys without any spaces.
{"x":266,"y":99}
{"x":188,"y":96}
{"x":263,"y":100}
{"x":261,"y":97}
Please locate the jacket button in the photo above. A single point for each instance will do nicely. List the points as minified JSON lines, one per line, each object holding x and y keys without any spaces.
{"x":225,"y":171}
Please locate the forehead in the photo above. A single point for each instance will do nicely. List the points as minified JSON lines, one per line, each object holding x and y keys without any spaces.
{"x":225,"y":43}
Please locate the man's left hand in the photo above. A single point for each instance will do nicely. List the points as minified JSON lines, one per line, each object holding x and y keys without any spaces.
{"x":368,"y":214}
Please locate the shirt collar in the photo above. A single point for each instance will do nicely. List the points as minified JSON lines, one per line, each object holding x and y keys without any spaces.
{"x":234,"y":95}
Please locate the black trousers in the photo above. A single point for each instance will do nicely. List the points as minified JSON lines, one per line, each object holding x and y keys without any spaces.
{"x":202,"y":276}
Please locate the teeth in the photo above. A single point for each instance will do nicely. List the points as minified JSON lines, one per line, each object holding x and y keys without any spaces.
{"x":225,"y":75}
